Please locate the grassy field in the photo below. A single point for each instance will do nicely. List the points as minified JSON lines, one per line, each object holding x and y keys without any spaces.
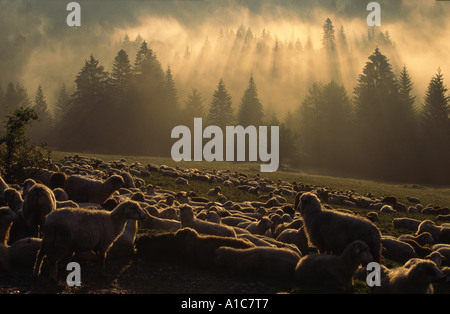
{"x":436,"y":195}
{"x":427,"y":194}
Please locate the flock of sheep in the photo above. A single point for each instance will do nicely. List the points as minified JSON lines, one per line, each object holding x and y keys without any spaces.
{"x":85,"y":208}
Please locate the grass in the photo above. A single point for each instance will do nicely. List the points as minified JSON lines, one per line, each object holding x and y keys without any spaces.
{"x":428,"y":194}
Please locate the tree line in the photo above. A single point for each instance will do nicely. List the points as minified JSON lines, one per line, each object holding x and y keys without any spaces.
{"x":375,"y":132}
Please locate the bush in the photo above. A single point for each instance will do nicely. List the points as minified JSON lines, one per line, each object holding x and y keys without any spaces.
{"x":15,"y":153}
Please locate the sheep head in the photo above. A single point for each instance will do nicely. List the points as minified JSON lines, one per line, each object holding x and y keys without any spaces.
{"x":7,"y":216}
{"x":186,"y":213}
{"x":361,"y":252}
{"x":426,"y":271}
{"x":186,"y":233}
{"x":117,"y":182}
{"x":309,"y":202}
{"x":11,"y":197}
{"x":133,"y":210}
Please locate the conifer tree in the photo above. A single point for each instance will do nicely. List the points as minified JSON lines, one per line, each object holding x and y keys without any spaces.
{"x":251,"y":109}
{"x":193,"y":106}
{"x":436,"y":107}
{"x":328,"y":39}
{"x":121,"y":73}
{"x":220,"y":111}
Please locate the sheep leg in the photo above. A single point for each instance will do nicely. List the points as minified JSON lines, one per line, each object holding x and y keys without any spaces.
{"x":53,"y":267}
{"x":101,"y":256}
{"x":38,"y":263}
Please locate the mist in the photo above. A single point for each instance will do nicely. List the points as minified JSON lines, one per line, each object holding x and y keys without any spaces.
{"x":185,"y":35}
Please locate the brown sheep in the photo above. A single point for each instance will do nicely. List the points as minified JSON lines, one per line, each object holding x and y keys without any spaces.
{"x":85,"y":190}
{"x":332,"y":272}
{"x":332,"y":231}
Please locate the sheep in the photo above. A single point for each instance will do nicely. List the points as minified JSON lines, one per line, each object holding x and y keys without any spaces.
{"x":38,"y":203}
{"x":7,"y":216}
{"x":22,"y":253}
{"x":272,"y":262}
{"x":414,"y":200}
{"x":3,"y":186}
{"x":333,"y":272}
{"x":444,"y":251}
{"x":406,"y":223}
{"x":157,"y":223}
{"x":297,"y":237}
{"x":415,"y":279}
{"x":331,"y":231}
{"x":440,"y":234}
{"x":422,"y":239}
{"x":75,"y":229}
{"x":159,"y":247}
{"x":259,"y":227}
{"x":60,"y":195}
{"x":387,"y":209}
{"x":396,"y":250}
{"x":82,"y":189}
{"x":420,"y":250}
{"x":204,"y":227}
{"x":13,"y":198}
{"x":200,"y":250}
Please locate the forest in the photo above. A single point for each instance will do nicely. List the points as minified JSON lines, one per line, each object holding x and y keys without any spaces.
{"x":376,"y":128}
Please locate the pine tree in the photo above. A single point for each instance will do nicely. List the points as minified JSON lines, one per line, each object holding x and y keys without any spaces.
{"x":39,"y":130}
{"x":40,"y":106}
{"x":172,"y":90}
{"x":220,"y":111}
{"x":121,"y":73}
{"x":193,"y":106}
{"x":92,"y":81}
{"x":405,"y":87}
{"x":251,"y":109}
{"x":342,"y":37}
{"x":436,"y":107}
{"x":436,"y":130}
{"x":62,"y":103}
{"x":328,"y":39}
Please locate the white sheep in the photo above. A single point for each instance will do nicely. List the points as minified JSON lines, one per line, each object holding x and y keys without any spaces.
{"x":331,"y":271}
{"x":70,"y":230}
{"x":83,"y":189}
{"x":203,"y":227}
{"x":38,"y":203}
{"x":397,"y":250}
{"x":331,"y":231}
{"x":415,"y":279}
{"x":157,"y":223}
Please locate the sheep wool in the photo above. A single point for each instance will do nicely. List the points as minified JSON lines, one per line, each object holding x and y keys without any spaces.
{"x":70,"y":230}
{"x":331,"y":231}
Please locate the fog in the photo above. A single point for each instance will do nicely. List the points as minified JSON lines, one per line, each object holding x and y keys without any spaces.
{"x":281,"y":44}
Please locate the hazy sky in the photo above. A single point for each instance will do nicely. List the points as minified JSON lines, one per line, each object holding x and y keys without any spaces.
{"x":39,"y":48}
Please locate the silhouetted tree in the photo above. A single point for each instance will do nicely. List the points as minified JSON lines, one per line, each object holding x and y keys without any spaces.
{"x":220,"y":111}
{"x":328,"y":38}
{"x":251,"y":109}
